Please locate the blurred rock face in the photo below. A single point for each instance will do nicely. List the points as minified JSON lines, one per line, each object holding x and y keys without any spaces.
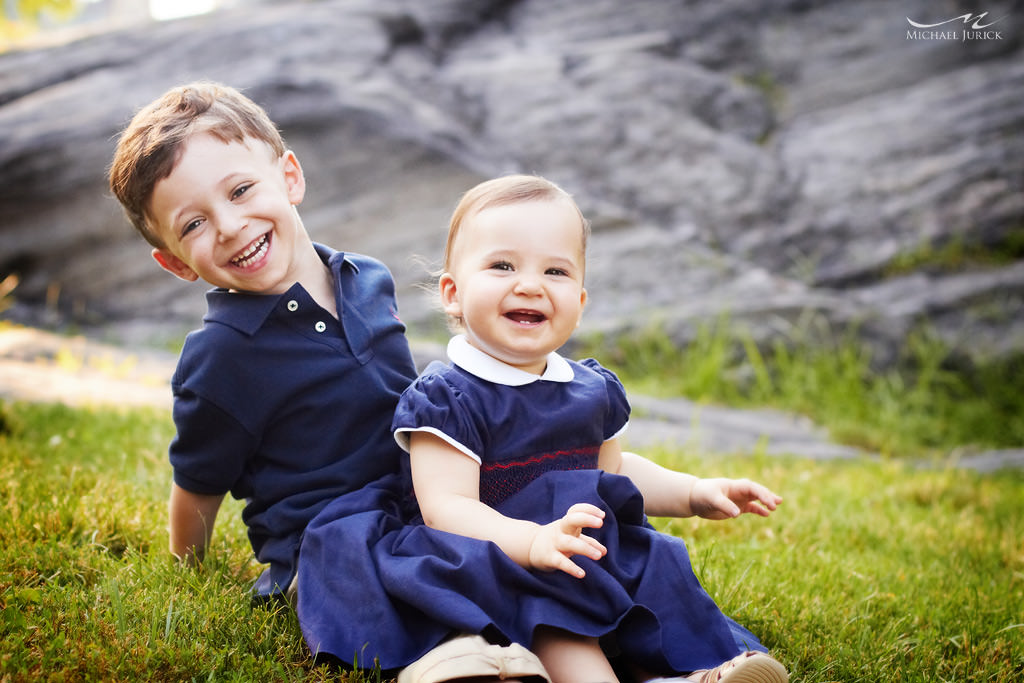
{"x":776,"y":161}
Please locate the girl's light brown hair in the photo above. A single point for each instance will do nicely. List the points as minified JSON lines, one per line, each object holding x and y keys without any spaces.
{"x":152,"y":143}
{"x":502,"y":191}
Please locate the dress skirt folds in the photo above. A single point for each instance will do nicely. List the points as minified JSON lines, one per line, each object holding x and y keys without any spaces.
{"x":377,"y":586}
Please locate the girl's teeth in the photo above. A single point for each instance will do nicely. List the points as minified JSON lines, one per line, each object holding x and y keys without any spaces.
{"x":525,"y":316}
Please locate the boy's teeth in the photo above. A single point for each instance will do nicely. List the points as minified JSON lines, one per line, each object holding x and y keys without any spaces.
{"x":255,"y":250}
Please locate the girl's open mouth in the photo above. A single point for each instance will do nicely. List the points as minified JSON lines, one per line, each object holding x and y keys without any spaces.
{"x":529,"y":317}
{"x":253,"y":253}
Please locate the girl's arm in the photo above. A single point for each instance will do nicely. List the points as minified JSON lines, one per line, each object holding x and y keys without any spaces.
{"x":191,"y":522}
{"x":668,"y":493}
{"x":447,"y":484}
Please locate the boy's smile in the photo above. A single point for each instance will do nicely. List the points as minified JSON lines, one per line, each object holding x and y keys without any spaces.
{"x":254,"y":253}
{"x":517,"y":280}
{"x":226,"y":215}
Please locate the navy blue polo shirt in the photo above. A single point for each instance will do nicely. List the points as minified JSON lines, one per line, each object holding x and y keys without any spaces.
{"x":281,"y":404}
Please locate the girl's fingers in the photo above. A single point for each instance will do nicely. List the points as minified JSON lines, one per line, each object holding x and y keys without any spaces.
{"x":571,"y":544}
{"x":574,"y":524}
{"x":586,"y":508}
{"x":577,"y":546}
{"x":571,"y":568}
{"x":582,"y":516}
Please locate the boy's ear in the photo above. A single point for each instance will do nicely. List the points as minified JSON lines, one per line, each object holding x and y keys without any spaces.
{"x":583,"y":305}
{"x":449,"y":295}
{"x":174,"y":265}
{"x":294,"y":181}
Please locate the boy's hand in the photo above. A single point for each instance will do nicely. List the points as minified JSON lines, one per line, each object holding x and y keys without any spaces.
{"x":726,"y":498}
{"x":554,"y":543}
{"x":191,"y":518}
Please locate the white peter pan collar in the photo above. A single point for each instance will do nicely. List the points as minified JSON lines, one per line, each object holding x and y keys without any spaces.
{"x":476,"y":362}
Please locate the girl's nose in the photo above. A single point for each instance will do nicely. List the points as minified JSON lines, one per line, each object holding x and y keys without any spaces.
{"x":527,"y":284}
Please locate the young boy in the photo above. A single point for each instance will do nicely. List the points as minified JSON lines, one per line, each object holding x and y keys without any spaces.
{"x":285,"y":396}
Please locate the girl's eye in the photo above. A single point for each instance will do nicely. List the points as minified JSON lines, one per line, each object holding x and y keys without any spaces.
{"x":501,"y":265}
{"x":557,"y":271}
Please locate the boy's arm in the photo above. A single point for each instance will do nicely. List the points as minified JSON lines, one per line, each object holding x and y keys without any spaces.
{"x":447,"y":484}
{"x":191,"y":522}
{"x":668,"y":493}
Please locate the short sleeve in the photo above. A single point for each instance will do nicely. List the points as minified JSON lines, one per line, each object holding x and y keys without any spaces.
{"x":617,"y":414}
{"x":432,"y":404}
{"x":209,"y":450}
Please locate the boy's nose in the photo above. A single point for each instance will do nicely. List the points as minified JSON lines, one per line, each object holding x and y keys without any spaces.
{"x":229,"y":226}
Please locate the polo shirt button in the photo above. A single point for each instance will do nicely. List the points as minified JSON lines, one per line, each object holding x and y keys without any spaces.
{"x":320,"y":326}
{"x":293,"y":305}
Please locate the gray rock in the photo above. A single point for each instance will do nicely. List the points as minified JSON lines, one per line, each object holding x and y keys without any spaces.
{"x":991,"y":461}
{"x":705,"y":429}
{"x":771,"y":160}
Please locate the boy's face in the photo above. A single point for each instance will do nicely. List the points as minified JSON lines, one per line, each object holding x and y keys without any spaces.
{"x":226,"y":215}
{"x":517,"y":280}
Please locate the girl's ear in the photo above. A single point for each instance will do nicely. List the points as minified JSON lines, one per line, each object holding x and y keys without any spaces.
{"x":294,"y":181}
{"x":583,"y":305}
{"x":174,"y":265}
{"x":449,"y":295}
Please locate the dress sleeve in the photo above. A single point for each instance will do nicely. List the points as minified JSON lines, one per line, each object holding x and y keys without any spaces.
{"x":617,"y":415}
{"x":432,"y":404}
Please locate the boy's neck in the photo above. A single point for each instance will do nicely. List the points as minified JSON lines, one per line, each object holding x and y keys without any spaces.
{"x":317,"y":280}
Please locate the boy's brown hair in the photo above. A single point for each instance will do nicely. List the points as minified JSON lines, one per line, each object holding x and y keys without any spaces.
{"x":151,"y":145}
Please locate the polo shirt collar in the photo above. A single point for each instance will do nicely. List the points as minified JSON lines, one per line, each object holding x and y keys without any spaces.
{"x":247,"y":313}
{"x":476,"y":362}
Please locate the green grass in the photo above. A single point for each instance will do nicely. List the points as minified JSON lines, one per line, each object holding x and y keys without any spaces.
{"x":957,"y":254}
{"x":870,"y":570}
{"x":926,"y":403}
{"x":87,"y":586}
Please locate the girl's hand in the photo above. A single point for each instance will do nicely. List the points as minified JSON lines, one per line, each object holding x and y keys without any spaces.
{"x":555,"y":543}
{"x":726,"y":498}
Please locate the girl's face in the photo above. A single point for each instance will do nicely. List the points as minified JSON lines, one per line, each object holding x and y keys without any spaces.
{"x":226,"y":215}
{"x":517,"y":280}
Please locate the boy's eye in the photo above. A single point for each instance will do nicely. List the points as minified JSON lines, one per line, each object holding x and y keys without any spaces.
{"x":240,"y":190}
{"x":501,"y":265}
{"x":190,"y":226}
{"x":557,"y":271}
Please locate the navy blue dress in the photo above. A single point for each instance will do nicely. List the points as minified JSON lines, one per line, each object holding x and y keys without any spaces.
{"x":537,"y":441}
